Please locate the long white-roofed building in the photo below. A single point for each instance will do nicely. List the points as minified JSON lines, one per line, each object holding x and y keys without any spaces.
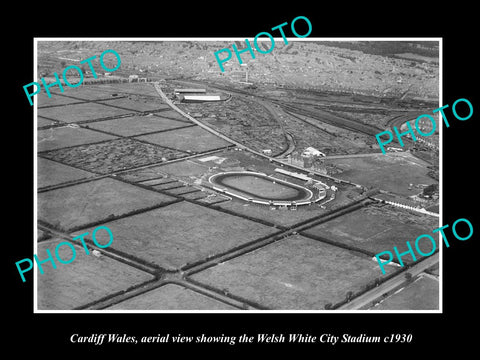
{"x":201,"y":97}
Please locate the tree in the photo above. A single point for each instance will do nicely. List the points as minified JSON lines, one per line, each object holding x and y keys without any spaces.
{"x":430,"y":189}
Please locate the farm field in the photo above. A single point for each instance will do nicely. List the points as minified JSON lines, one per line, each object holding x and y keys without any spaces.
{"x":172,"y":114}
{"x":171,"y":297}
{"x":53,"y":173}
{"x":277,"y":217}
{"x":151,"y":172}
{"x":391,"y":172}
{"x":173,"y":236}
{"x":422,"y":294}
{"x":106,"y":91}
{"x":41,"y":122}
{"x":136,"y":125}
{"x":184,"y":169}
{"x":78,"y":205}
{"x":190,"y":139}
{"x":77,"y":113}
{"x":56,"y":99}
{"x":65,"y":287}
{"x":147,"y":104}
{"x":376,"y":229}
{"x":85,"y":93}
{"x":61,"y":137}
{"x":292,"y":273}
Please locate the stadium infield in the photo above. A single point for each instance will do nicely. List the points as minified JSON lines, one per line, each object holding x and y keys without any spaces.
{"x":260,"y":187}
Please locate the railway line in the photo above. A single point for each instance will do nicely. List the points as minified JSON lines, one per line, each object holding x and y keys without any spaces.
{"x":305,"y":107}
{"x":240,"y":145}
{"x":329,"y":118}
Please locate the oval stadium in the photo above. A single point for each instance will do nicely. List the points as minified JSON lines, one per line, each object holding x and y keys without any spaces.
{"x":260,"y":188}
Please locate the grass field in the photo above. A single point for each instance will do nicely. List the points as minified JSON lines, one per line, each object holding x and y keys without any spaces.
{"x":392,"y":172}
{"x":60,"y":137}
{"x":185,"y":169}
{"x":193,"y":139}
{"x":42,"y":235}
{"x":56,"y":99}
{"x":131,"y":88}
{"x":182,"y":190}
{"x":422,"y":294}
{"x":181,"y":233}
{"x":240,"y":160}
{"x":172,"y":114}
{"x":75,"y":113}
{"x":85,"y":93}
{"x":44,"y":122}
{"x":378,"y":229}
{"x":171,"y":297}
{"x":278,"y":217}
{"x":260,"y":187}
{"x":105,"y":91}
{"x":52,"y":173}
{"x":136,"y":125}
{"x":86,"y":279}
{"x":139,"y":105}
{"x":81,"y":204}
{"x":293,"y":273}
{"x":148,"y":173}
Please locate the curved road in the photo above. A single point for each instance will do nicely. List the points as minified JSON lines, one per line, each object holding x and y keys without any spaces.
{"x":202,"y":125}
{"x":263,"y":101}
